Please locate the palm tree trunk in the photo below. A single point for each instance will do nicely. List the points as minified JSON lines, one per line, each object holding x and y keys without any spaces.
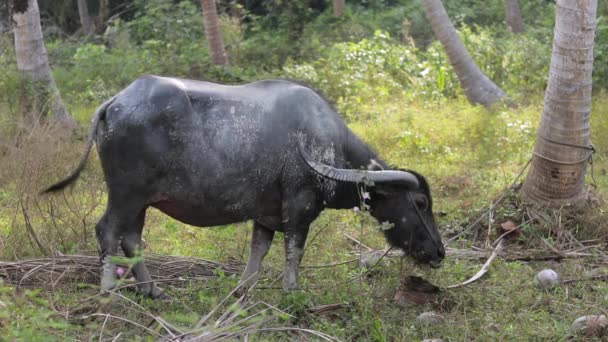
{"x":85,"y":18}
{"x":477,"y":86}
{"x":338,"y":8}
{"x":563,"y":144}
{"x":212,"y":31}
{"x":33,"y":63}
{"x":513,"y":16}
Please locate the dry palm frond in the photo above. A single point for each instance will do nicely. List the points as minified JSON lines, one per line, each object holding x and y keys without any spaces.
{"x":69,"y":269}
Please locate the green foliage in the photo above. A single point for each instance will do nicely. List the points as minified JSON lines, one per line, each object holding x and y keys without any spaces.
{"x":346,"y":57}
{"x":166,"y":20}
{"x":519,"y":63}
{"x":27,"y":316}
{"x":374,"y":70}
{"x":469,"y":12}
{"x":600,"y":64}
{"x":163,"y":38}
{"x":356,"y":72}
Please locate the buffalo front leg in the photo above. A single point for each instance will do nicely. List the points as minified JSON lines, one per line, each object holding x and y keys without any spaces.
{"x":295,"y":238}
{"x":261,"y":241}
{"x":131,"y":245}
{"x":298,"y":213}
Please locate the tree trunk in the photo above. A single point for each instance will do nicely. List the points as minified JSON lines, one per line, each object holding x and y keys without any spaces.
{"x":32,"y":61}
{"x":477,"y":86}
{"x":85,"y":18}
{"x":103,"y":14}
{"x":563,"y":144}
{"x":212,"y":31}
{"x":513,"y":16}
{"x":338,"y":8}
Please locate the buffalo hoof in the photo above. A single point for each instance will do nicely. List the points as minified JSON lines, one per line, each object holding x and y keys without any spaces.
{"x":108,"y":283}
{"x":242,"y":290}
{"x":154,"y":292}
{"x":162,"y":295}
{"x":108,"y":275}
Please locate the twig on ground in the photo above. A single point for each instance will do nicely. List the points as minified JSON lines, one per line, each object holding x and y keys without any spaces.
{"x":168,"y":327}
{"x":333,"y":264}
{"x":238,"y":287}
{"x":550,"y":246}
{"x":576,"y":280}
{"x":124,"y":320}
{"x":484,"y":268}
{"x":321,"y":309}
{"x":359,"y":243}
{"x":323,"y":336}
{"x":277,"y":279}
{"x":277,"y":309}
{"x":103,"y":326}
{"x":311,"y":240}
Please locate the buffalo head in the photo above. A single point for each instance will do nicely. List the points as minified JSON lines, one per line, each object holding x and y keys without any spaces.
{"x":401,"y":201}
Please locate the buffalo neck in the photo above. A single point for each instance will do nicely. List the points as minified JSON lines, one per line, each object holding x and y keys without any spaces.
{"x":357,"y":155}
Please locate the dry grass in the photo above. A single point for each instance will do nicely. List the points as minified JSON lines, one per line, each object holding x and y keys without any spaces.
{"x":32,"y":156}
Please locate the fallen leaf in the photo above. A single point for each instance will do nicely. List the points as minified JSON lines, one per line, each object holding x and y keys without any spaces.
{"x":417,"y":291}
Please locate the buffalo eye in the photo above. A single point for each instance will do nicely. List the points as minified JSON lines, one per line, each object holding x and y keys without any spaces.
{"x":422,"y":202}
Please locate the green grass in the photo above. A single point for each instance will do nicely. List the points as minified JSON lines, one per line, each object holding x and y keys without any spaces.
{"x":469,"y":155}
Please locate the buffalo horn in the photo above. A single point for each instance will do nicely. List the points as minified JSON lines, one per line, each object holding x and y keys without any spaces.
{"x":390,"y":177}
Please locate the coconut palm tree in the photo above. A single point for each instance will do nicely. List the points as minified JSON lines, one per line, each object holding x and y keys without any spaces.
{"x":513,"y":16}
{"x":563,"y":144}
{"x":33,"y":63}
{"x":338,"y":8}
{"x":477,"y":86}
{"x":212,"y":30}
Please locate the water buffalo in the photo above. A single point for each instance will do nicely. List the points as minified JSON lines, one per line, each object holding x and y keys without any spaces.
{"x":272,"y":151}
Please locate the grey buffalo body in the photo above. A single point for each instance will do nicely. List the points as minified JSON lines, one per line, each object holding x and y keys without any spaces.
{"x":273,"y":152}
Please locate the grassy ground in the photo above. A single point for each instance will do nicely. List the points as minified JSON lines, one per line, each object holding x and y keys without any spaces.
{"x":469,"y":155}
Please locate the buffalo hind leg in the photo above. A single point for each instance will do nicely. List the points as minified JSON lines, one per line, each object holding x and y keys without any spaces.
{"x":110,"y":228}
{"x":131,"y":245}
{"x":261,"y":240}
{"x":107,"y":244}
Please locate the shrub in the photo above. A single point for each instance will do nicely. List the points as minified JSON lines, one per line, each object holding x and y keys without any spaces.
{"x":378,"y":68}
{"x":352,"y":73}
{"x":517,"y":63}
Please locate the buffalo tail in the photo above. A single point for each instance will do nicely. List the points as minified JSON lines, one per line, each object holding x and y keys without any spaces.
{"x":97,"y":117}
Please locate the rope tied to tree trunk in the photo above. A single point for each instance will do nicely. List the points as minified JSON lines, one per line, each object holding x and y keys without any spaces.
{"x":588,"y":159}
